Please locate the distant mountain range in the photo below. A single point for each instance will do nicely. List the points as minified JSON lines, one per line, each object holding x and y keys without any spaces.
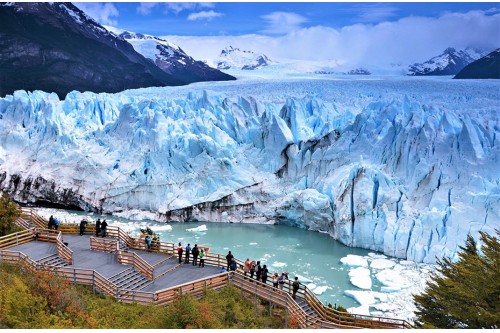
{"x":450,"y":62}
{"x":487,"y":67}
{"x":171,"y":58}
{"x":56,"y":47}
{"x":234,"y":58}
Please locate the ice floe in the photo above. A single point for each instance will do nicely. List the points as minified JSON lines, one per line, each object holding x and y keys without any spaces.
{"x":382,"y":263}
{"x":354,"y":260}
{"x":360,"y":277}
{"x":202,"y":227}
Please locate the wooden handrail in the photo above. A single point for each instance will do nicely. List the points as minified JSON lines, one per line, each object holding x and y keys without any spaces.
{"x":133,"y":259}
{"x":103,"y":244}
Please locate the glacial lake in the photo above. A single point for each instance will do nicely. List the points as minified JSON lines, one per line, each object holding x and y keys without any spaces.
{"x":310,"y":254}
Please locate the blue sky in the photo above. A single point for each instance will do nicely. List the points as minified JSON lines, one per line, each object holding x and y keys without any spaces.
{"x":238,"y":18}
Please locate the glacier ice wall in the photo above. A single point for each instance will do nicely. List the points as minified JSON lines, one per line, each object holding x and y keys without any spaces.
{"x":407,"y":168}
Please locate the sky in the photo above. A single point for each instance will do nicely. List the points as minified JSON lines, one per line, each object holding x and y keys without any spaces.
{"x":344,"y":31}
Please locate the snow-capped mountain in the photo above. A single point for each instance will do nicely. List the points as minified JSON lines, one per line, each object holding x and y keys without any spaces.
{"x":405,"y":167}
{"x":450,"y":62}
{"x":56,"y":47}
{"x":171,"y":58}
{"x":487,"y":67}
{"x":234,"y":58}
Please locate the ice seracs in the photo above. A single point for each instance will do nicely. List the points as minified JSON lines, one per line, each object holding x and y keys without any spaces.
{"x":400,"y":166}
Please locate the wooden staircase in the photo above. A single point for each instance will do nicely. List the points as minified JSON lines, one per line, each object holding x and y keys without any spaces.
{"x":131,"y":279}
{"x":52,"y":260}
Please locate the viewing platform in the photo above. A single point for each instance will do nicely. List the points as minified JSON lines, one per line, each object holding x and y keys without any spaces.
{"x":121,"y":266}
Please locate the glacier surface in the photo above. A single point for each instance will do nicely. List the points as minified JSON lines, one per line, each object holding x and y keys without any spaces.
{"x":403,"y":166}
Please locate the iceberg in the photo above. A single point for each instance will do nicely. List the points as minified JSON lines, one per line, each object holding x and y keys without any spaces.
{"x":382,"y":263}
{"x":401,"y":166}
{"x":354,"y":261}
{"x":360,"y":277}
{"x":202,"y":227}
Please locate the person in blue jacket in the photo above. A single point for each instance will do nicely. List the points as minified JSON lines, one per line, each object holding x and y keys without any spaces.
{"x":188,"y":251}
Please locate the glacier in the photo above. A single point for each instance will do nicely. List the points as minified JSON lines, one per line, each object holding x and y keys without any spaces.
{"x":404,"y":166}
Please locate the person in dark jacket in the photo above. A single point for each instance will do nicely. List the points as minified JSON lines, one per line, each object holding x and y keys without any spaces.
{"x":258,"y":271}
{"x":229,"y":257}
{"x":98,"y":228}
{"x":51,"y":222}
{"x":104,"y":225}
{"x":188,"y":251}
{"x":264,"y":274}
{"x":233,"y":265}
{"x":83,"y":225}
{"x":295,"y":287}
{"x":180,"y":250}
{"x":196,"y":253}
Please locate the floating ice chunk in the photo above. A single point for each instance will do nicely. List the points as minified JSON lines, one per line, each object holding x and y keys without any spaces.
{"x":363,"y":310}
{"x":382,"y":263}
{"x":253,"y":243}
{"x":354,"y":260}
{"x":360,"y":277}
{"x":278,"y":264}
{"x":391,"y":279}
{"x":303,"y":279}
{"x":202,"y":227}
{"x":407,"y":263}
{"x":319,"y":290}
{"x":385,"y":306}
{"x":362,"y":297}
{"x":376,"y":256}
{"x":163,"y":228}
{"x":312,"y":286}
{"x":390,"y":289}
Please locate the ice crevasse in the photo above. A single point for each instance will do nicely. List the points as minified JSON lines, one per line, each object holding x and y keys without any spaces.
{"x":395,"y":173}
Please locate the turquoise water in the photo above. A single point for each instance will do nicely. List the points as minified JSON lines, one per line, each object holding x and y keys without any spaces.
{"x":313,"y":255}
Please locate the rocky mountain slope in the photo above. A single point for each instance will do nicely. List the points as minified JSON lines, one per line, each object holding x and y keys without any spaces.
{"x":488,"y":67}
{"x":450,"y":62}
{"x":171,"y":58}
{"x":56,"y":47}
{"x":234,"y":58}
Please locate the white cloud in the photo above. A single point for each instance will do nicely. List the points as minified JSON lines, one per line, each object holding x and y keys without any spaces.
{"x":145,"y":8}
{"x":282,"y":22}
{"x":408,"y":40}
{"x":102,"y":12}
{"x":374,"y":13}
{"x":177,"y":7}
{"x":204,"y":15}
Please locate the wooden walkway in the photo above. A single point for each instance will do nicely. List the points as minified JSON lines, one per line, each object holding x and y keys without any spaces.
{"x":119,"y":266}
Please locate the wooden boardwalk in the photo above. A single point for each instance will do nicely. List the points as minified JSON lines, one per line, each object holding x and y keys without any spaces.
{"x":107,"y":263}
{"x":119,"y":266}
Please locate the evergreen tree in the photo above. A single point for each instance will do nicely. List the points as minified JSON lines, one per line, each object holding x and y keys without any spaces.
{"x":466,"y":293}
{"x":9,"y":212}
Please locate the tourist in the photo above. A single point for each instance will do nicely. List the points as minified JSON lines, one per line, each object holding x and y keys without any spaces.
{"x":83,"y":225}
{"x":246,"y":267}
{"x":148,"y":242}
{"x":196,"y":253}
{"x":56,"y":223}
{"x":104,"y":225}
{"x":233,"y":265}
{"x":179,"y":252}
{"x":264,"y":272}
{"x":258,"y":271}
{"x":295,"y":287}
{"x":229,"y":257}
{"x":98,"y":227}
{"x":275,"y":279}
{"x":202,"y":258}
{"x":282,"y":279}
{"x":188,"y":251}
{"x":252,"y":268}
{"x":51,"y":222}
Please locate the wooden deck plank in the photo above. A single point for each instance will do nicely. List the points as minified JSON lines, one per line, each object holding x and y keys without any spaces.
{"x":185,"y":273}
{"x":36,"y":249}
